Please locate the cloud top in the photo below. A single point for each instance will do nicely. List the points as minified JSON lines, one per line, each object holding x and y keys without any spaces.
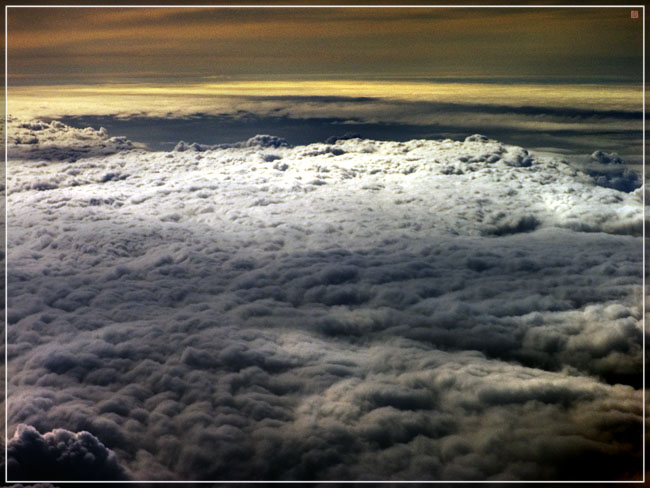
{"x":60,"y":455}
{"x":353,"y":309}
{"x":57,"y":141}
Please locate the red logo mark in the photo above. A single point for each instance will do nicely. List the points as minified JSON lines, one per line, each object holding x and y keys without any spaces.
{"x":634,"y":14}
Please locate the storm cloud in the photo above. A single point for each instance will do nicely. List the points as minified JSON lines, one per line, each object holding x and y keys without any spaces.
{"x":60,"y":454}
{"x":358,"y":309}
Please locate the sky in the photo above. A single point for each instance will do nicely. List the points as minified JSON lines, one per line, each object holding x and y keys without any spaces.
{"x":64,"y":45}
{"x":305,"y":73}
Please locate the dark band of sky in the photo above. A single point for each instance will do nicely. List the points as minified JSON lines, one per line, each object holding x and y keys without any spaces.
{"x":103,"y":45}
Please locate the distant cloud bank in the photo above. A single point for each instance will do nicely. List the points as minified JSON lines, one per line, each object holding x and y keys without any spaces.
{"x":562,"y":117}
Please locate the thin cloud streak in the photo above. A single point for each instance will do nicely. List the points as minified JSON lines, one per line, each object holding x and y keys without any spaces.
{"x":56,"y":101}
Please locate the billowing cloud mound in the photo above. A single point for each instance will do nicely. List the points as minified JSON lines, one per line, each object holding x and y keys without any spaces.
{"x":60,"y":455}
{"x":605,"y":158}
{"x":450,"y":310}
{"x":260,"y":140}
{"x":56,"y":141}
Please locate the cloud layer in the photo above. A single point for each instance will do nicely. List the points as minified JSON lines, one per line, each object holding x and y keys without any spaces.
{"x":347,"y":310}
{"x":51,"y":45}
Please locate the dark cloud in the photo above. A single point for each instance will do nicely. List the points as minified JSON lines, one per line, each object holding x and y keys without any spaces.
{"x":48,"y":45}
{"x":559,"y":111}
{"x":60,"y":455}
{"x":621,"y":179}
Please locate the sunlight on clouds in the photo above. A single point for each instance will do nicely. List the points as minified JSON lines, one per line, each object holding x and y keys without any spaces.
{"x":160,"y":100}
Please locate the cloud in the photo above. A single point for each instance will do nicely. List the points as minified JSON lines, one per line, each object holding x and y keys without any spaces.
{"x":358,"y":309}
{"x":57,"y":141}
{"x":331,"y":98}
{"x":260,"y":140}
{"x":60,"y":455}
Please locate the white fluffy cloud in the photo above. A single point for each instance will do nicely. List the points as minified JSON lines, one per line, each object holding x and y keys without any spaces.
{"x":353,"y":310}
{"x":57,"y":141}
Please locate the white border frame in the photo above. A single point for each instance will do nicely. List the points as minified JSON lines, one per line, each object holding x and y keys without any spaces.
{"x":6,"y":140}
